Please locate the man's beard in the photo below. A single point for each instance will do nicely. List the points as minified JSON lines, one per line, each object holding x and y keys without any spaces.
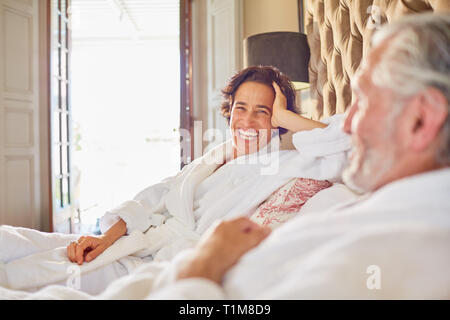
{"x":365,"y":171}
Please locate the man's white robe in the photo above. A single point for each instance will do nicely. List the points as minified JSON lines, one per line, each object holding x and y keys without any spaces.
{"x":170,"y":216}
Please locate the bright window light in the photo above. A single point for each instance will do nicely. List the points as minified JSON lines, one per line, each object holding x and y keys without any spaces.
{"x":125,"y":101}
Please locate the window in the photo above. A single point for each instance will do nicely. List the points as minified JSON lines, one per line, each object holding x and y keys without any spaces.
{"x":60,"y":116}
{"x":121,"y":92}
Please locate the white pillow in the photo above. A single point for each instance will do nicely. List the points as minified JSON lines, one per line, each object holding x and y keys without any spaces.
{"x":325,"y":199}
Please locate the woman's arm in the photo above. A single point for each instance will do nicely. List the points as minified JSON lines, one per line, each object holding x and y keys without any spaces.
{"x":284,"y":118}
{"x":118,"y":230}
{"x":88,"y":248}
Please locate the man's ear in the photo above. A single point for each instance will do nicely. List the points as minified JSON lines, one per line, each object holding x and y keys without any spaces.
{"x":431,"y":112}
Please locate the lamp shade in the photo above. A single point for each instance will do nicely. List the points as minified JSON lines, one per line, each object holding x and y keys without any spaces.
{"x":288,"y":51}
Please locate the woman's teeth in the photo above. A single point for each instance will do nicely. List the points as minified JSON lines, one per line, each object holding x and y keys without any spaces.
{"x":248,"y":134}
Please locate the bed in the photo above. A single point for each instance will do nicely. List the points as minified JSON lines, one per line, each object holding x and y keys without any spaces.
{"x":339,"y":36}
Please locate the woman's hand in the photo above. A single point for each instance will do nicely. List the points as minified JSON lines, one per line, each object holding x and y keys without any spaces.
{"x":279,"y":105}
{"x":284,"y":118}
{"x":87,"y":248}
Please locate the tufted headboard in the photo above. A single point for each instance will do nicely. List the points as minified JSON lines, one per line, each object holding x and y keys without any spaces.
{"x":339,"y":33}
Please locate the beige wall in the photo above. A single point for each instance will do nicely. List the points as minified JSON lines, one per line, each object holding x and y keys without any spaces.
{"x":270,"y":15}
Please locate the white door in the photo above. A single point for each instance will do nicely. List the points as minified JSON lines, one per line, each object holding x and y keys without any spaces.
{"x":224,"y":33}
{"x":19,"y":114}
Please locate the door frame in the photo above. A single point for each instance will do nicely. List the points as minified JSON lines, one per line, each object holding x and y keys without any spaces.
{"x":186,"y":107}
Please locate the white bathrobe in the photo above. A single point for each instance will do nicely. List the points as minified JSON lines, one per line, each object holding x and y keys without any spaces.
{"x":392,"y":244}
{"x":170,"y":216}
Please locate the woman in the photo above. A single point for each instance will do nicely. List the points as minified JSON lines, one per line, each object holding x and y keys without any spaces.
{"x":231,"y":180}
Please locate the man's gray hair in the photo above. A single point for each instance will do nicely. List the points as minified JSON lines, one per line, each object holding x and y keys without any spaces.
{"x":417,"y":57}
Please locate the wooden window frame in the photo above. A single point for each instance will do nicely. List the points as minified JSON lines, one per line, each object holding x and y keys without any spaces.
{"x":301,"y":16}
{"x":186,"y":112}
{"x":59,"y":112}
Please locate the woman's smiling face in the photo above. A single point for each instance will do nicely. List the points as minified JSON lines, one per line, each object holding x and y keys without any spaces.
{"x":251,"y":115}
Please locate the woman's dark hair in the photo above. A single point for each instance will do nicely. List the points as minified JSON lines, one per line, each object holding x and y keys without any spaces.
{"x":261,"y":74}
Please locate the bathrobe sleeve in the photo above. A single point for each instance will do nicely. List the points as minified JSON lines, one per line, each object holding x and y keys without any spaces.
{"x":327,"y":149}
{"x":146,"y":209}
{"x":323,"y":141}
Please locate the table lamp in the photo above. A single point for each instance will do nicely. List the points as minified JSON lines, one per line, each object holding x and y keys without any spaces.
{"x":288,"y":51}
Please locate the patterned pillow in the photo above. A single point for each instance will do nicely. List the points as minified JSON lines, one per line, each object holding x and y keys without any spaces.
{"x":284,"y":203}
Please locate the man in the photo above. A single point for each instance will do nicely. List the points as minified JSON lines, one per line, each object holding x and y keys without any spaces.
{"x":391,"y":244}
